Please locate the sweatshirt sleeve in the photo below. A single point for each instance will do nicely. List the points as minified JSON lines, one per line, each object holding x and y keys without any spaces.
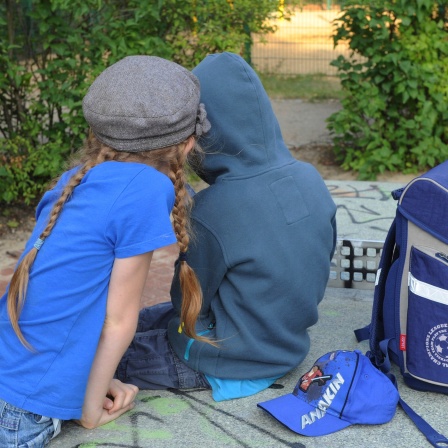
{"x":206,"y":257}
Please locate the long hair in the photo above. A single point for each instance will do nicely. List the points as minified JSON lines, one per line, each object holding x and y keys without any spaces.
{"x":169,"y":160}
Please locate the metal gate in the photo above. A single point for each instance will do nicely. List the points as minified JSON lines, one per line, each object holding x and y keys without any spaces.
{"x":302,"y":45}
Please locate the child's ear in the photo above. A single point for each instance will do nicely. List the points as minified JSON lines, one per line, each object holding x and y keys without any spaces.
{"x":189,"y":144}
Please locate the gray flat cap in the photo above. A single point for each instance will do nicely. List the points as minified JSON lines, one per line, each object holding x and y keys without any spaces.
{"x":144,"y":102}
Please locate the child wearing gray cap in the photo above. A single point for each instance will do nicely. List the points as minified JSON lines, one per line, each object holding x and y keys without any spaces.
{"x":72,"y":305}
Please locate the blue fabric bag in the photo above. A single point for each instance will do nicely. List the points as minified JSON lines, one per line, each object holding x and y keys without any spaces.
{"x":409,"y":323}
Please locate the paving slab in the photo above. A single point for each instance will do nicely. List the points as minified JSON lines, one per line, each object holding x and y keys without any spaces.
{"x":365,"y":210}
{"x":303,"y":122}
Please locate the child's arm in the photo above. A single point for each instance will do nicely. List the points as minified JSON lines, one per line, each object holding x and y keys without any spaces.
{"x":123,"y":304}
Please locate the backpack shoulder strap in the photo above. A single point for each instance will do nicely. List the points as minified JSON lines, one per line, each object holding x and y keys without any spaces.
{"x":376,"y":324}
{"x":372,"y":330}
{"x":436,"y":439}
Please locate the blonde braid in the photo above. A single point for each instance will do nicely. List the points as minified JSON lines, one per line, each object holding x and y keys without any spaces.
{"x":182,"y":205}
{"x":189,"y":283}
{"x":20,"y":278}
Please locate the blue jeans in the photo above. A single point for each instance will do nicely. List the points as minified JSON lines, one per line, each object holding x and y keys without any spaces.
{"x":23,"y":429}
{"x":150,"y":362}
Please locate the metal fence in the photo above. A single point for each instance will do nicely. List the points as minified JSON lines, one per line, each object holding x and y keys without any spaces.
{"x":302,"y":45}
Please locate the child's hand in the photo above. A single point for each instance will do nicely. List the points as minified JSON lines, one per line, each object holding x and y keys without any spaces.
{"x":120,"y":396}
{"x":120,"y":399}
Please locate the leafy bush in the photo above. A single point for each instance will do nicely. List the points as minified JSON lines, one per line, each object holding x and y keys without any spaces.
{"x":25,"y":170}
{"x":395,"y":108}
{"x":51,"y":50}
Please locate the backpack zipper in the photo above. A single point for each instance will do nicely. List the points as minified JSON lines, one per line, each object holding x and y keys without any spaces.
{"x":442,"y":256}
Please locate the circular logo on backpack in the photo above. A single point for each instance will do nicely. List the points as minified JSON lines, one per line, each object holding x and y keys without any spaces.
{"x":437,"y":344}
{"x":441,"y":345}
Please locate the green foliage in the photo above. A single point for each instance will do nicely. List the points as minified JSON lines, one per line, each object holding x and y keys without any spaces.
{"x":196,"y":28}
{"x":51,"y":50}
{"x":395,"y":108}
{"x":25,"y":170}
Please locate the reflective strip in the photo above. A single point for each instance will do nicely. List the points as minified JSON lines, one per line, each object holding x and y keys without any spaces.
{"x":377,"y":278}
{"x":187,"y":349}
{"x":190,"y":343}
{"x":427,"y":291}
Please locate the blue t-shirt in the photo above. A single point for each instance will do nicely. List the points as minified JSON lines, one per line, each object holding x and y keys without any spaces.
{"x":119,"y":210}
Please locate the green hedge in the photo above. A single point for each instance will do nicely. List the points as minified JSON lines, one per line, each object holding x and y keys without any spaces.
{"x":51,"y":50}
{"x":395,"y":108}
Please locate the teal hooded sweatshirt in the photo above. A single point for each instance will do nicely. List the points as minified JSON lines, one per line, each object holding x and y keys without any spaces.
{"x":265,"y":233}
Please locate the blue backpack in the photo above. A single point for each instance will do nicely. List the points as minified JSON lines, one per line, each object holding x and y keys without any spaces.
{"x":409,"y":324}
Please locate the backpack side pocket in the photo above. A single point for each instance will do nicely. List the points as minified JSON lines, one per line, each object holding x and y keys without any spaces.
{"x":427,"y":316}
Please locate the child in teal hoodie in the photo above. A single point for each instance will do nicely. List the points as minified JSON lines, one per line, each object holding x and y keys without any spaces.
{"x":265,"y":232}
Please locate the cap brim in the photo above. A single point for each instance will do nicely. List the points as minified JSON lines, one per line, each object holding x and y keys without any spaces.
{"x":302,"y":418}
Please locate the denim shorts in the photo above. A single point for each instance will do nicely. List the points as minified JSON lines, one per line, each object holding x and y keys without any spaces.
{"x":23,"y":429}
{"x":150,"y":362}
